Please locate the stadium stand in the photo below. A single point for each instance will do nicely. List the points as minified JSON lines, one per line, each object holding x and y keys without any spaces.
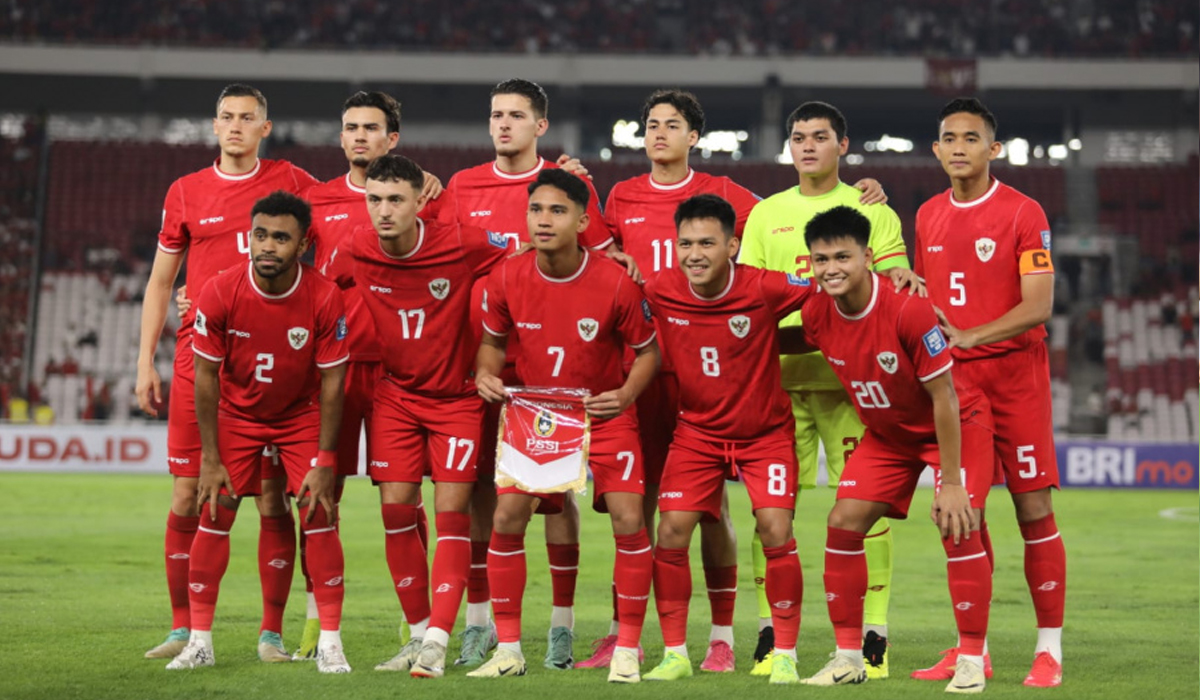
{"x":952,"y":28}
{"x":18,"y":228}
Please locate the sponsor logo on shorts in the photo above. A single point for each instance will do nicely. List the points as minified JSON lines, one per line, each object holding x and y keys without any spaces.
{"x":934,"y":341}
{"x":179,"y":460}
{"x":888,"y":361}
{"x":279,"y":563}
{"x":405,"y":582}
{"x":587,"y":328}
{"x":739,"y":325}
{"x":985,"y":248}
{"x":848,"y":483}
{"x":297,"y":337}
{"x":439,"y":288}
{"x":378,"y":463}
{"x":665,"y":495}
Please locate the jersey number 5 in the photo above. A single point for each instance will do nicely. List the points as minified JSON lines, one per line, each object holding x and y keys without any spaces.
{"x":959,"y":295}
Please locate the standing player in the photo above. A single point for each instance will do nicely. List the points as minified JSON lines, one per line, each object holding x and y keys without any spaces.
{"x":577,"y":342}
{"x":887,"y":350}
{"x":984,"y":251}
{"x":494,"y":196}
{"x":416,"y":278}
{"x":270,"y":363}
{"x":719,"y":321}
{"x":203,"y":218}
{"x":370,"y":129}
{"x":774,"y":240}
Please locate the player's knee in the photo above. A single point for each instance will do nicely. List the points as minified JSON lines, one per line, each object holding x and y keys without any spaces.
{"x":510,"y":520}
{"x":273,"y":501}
{"x":627,"y":521}
{"x":1033,"y":505}
{"x":673,"y":532}
{"x":774,"y":532}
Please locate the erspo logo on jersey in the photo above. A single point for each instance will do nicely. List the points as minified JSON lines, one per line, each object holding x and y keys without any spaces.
{"x":934,"y":341}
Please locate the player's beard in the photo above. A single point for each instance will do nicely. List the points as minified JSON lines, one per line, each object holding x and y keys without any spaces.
{"x":508,"y":150}
{"x":360,"y":161}
{"x":280,"y":268}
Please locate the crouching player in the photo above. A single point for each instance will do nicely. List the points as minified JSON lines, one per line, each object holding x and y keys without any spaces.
{"x":888,"y":352}
{"x":577,"y":340}
{"x":719,"y":323}
{"x":270,"y":366}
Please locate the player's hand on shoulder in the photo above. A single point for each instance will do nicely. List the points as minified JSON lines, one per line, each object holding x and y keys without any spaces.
{"x":872,"y":191}
{"x":432,"y":189}
{"x":608,"y":404}
{"x":148,"y":390}
{"x":904,"y":278}
{"x":573,"y":166}
{"x":955,"y":337}
{"x":522,"y":248}
{"x":952,"y":512}
{"x":182,"y":301}
{"x":213,"y":477}
{"x":490,"y":387}
{"x":631,"y":267}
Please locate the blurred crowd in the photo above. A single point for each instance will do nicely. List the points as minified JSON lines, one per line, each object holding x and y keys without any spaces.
{"x":943,"y":28}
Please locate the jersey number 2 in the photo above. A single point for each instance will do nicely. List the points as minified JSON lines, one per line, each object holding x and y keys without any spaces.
{"x":265,"y":362}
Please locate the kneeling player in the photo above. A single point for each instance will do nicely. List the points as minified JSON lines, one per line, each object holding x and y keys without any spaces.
{"x":719,"y":323}
{"x":888,"y":352}
{"x":575,"y":341}
{"x":268,"y":343}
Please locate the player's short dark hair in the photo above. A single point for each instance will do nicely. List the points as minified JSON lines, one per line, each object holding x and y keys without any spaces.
{"x":836,"y":223}
{"x":818,"y":110}
{"x":280,"y":203}
{"x":528,"y":89}
{"x":572,"y":185}
{"x":391,"y":167}
{"x":379,"y":100}
{"x":684,"y":102}
{"x":970,"y":105}
{"x":707,"y":206}
{"x":243,"y":90}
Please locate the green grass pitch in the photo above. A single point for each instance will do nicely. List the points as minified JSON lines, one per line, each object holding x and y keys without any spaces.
{"x":82,"y":596}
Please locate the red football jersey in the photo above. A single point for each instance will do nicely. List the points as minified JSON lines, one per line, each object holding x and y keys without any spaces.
{"x":882,"y":356}
{"x":641,"y":214}
{"x":973,"y":255}
{"x":420,"y":302}
{"x":726,"y":349}
{"x":573,"y":331}
{"x":270,"y":346}
{"x":338,"y":208}
{"x":489,"y":198}
{"x":207,"y":216}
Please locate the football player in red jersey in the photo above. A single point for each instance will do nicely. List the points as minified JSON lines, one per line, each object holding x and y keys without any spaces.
{"x":984,"y":251}
{"x":495,"y":196}
{"x":888,"y":352}
{"x":598,"y":313}
{"x":719,"y":321}
{"x":204,"y":220}
{"x":416,"y":276}
{"x":270,"y":365}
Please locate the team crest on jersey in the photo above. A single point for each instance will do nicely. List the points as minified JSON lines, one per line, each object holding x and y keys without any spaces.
{"x":545,"y":425}
{"x":984,"y":248}
{"x":888,"y":361}
{"x":439,"y":288}
{"x":739,"y":325}
{"x":201,"y":324}
{"x":587,"y":328}
{"x":297,"y":337}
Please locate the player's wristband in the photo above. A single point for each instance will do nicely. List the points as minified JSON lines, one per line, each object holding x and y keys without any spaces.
{"x":325,"y":458}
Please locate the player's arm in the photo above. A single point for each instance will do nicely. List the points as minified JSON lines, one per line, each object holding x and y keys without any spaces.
{"x":951,"y":506}
{"x":793,"y":341}
{"x":154,"y":316}
{"x":319,"y":484}
{"x":213,"y":474}
{"x":1035,"y":307}
{"x":489,"y":363}
{"x":872,"y":191}
{"x":612,"y":403}
{"x":751,"y":251}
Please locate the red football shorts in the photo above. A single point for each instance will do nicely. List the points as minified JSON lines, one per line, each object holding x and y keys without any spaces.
{"x":615,"y":460}
{"x":656,"y":410}
{"x":241,"y":444}
{"x":696,"y":469}
{"x":183,"y":432}
{"x":413,"y":435}
{"x":361,"y":378}
{"x":489,"y":433}
{"x":888,"y":473}
{"x":1018,"y":387}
